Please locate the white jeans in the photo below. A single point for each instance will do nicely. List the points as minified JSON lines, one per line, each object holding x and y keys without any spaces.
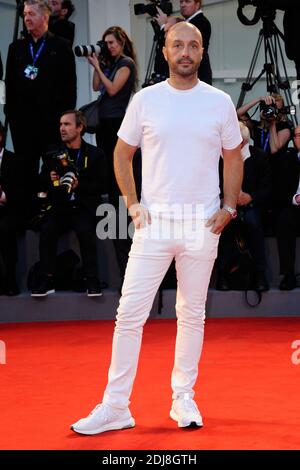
{"x":149,"y":260}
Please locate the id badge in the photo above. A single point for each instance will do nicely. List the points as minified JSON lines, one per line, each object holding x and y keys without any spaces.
{"x":31,"y":72}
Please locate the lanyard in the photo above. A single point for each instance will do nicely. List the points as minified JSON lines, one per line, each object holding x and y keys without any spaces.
{"x":265,"y":142}
{"x":78,"y":158}
{"x":37,"y":55}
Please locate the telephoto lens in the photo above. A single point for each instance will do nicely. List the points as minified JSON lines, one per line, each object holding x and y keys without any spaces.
{"x":86,"y":51}
{"x":67,"y":180}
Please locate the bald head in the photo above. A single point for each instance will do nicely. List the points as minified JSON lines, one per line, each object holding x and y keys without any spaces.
{"x":183,"y":51}
{"x":183,"y":30}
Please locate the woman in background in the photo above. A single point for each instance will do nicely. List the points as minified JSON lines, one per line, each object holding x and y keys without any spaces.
{"x":115,"y":77}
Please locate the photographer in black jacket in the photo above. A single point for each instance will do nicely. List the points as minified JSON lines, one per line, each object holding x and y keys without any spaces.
{"x":254,"y":196}
{"x":40,"y":85}
{"x":191,"y":10}
{"x":286,"y":200}
{"x":74,"y":178}
{"x":59,"y":20}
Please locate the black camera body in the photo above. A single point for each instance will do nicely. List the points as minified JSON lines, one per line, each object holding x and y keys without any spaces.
{"x":270,"y":111}
{"x":165,"y":6}
{"x":100,"y":48}
{"x":66,"y":170}
{"x":265,"y":10}
{"x":155,"y":78}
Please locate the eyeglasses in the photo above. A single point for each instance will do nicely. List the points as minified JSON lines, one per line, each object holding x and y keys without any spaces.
{"x":296,"y":136}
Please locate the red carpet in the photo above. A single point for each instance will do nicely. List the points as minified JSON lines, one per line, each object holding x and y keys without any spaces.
{"x":248,"y":388}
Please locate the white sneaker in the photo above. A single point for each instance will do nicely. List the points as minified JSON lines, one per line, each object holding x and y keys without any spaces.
{"x":104,"y":418}
{"x":185,"y":411}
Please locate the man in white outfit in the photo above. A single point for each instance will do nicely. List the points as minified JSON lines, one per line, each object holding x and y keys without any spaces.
{"x":182,"y":126}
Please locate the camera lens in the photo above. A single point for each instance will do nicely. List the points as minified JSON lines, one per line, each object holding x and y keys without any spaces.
{"x":67,"y":180}
{"x":87,"y":51}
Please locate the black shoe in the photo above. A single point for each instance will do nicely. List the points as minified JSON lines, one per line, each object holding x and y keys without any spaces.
{"x":288,"y":282}
{"x":11,"y":289}
{"x":44,"y":287}
{"x":222,"y":282}
{"x":93,"y":287}
{"x":260,"y":282}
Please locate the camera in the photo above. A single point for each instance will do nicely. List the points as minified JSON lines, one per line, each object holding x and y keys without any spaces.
{"x":264,"y":10}
{"x":270,"y":111}
{"x":65,"y":169}
{"x":155,"y":78}
{"x":87,"y":51}
{"x":141,"y":8}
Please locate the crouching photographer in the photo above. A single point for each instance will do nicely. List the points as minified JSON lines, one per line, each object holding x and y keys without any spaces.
{"x":73,"y":179}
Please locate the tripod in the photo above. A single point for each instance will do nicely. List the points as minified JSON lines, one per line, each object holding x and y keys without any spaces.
{"x":270,"y":36}
{"x":153,"y":75}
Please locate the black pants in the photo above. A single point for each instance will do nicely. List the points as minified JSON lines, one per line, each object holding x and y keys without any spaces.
{"x":31,"y":138}
{"x":84,"y":225}
{"x":10,"y":225}
{"x":254,"y":233}
{"x":106,"y":139}
{"x":287,"y":227}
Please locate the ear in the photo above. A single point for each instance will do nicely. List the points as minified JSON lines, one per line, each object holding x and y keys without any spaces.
{"x":165,"y":53}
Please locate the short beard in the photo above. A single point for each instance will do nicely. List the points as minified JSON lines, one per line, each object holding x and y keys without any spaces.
{"x":186,"y":72}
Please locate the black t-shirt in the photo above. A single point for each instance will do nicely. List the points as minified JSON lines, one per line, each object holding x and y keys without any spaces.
{"x":115,"y":106}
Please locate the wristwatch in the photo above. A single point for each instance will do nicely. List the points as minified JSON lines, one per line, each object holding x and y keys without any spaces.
{"x":232,"y":212}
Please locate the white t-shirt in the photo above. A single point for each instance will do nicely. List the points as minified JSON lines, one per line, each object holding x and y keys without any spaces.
{"x":181,"y":134}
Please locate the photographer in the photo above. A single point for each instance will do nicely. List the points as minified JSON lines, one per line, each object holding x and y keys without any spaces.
{"x":286,"y":197}
{"x":59,"y":23}
{"x":40,"y":85}
{"x":272,"y":132}
{"x":191,"y":10}
{"x":119,"y":60}
{"x":74,"y":177}
{"x":253,"y":198}
{"x":12,"y":215}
